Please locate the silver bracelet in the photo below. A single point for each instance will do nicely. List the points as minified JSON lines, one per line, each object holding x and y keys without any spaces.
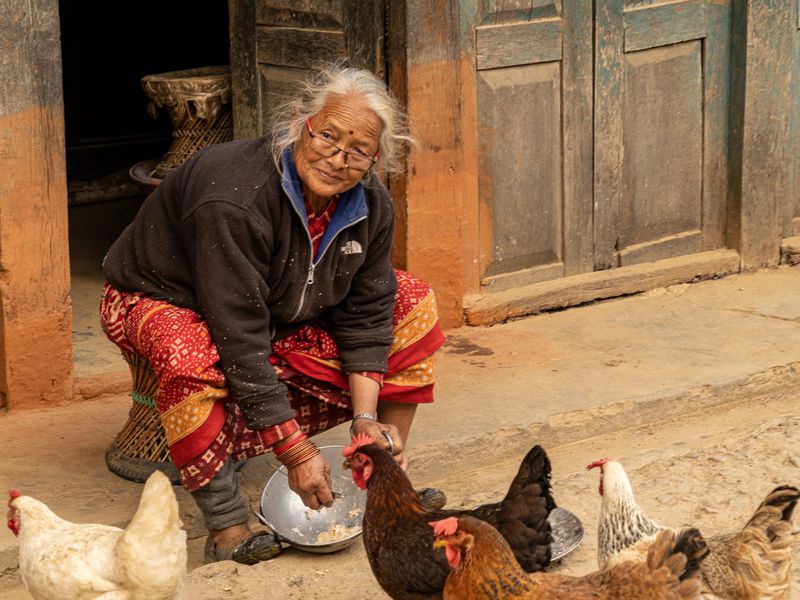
{"x":366,"y":416}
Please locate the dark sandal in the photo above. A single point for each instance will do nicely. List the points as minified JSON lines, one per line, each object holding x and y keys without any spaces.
{"x":432,"y":498}
{"x":259,"y":546}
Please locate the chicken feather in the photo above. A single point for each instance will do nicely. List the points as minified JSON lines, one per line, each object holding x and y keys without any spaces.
{"x":754,"y":562}
{"x":60,"y":560}
{"x":398,"y":540}
{"x":483,"y":569}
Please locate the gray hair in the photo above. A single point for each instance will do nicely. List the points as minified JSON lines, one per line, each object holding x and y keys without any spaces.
{"x":337,"y":80}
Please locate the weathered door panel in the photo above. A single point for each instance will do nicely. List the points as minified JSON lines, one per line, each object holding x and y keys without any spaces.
{"x":292,"y":37}
{"x":534,"y":150}
{"x":661,"y":116}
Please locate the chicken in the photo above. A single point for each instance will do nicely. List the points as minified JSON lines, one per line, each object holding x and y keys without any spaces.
{"x":754,"y":562}
{"x":59,"y":560}
{"x":484,"y":569}
{"x":399,"y":542}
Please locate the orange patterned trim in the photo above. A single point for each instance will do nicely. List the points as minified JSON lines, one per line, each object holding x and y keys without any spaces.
{"x":417,"y":375}
{"x":416,"y":324}
{"x":188,"y":416}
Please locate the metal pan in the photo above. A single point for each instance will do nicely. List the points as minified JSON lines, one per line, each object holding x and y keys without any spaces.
{"x":284,"y":513}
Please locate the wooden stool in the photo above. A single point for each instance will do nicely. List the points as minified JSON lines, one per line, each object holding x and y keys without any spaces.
{"x":141,"y":445}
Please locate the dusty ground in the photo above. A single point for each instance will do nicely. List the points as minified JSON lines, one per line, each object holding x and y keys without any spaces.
{"x":709,"y":469}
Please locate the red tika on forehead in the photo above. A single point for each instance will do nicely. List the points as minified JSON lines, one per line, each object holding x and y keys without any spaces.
{"x":445,"y":527}
{"x":362,"y":439}
{"x":597,"y":463}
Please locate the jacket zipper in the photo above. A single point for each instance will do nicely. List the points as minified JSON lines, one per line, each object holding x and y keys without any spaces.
{"x":311,"y":264}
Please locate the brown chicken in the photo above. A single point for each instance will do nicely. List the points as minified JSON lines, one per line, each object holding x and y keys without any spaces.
{"x":484,"y":569}
{"x":754,"y":562}
{"x":399,"y":542}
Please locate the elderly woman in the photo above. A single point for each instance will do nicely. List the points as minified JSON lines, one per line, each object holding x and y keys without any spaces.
{"x":256,"y":282}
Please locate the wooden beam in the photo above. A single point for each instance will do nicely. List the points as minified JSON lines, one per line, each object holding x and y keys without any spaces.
{"x":608,"y":84}
{"x":35,"y":309}
{"x":763,"y":177}
{"x":441,"y":216}
{"x":488,"y":309}
{"x":577,"y":106}
{"x":396,"y":61}
{"x":244,"y":73}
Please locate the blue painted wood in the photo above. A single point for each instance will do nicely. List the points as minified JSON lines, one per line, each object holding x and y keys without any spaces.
{"x":608,"y":151}
{"x":716,"y":126}
{"x":662,"y":79}
{"x":577,"y":118}
{"x":662,"y":24}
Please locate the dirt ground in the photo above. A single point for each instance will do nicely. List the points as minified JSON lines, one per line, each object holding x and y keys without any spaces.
{"x":708,"y":469}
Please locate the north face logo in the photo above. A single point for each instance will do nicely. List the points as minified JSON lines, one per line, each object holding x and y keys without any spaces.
{"x":351,"y":247}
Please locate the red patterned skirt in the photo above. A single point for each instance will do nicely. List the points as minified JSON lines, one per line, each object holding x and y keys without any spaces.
{"x":204,"y":426}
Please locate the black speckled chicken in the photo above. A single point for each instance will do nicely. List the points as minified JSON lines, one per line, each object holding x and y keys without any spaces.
{"x":754,"y":562}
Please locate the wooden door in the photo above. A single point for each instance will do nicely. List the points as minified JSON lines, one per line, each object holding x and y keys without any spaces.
{"x":534,"y":99}
{"x":561,"y":194}
{"x":276,"y":43}
{"x":661,"y":129}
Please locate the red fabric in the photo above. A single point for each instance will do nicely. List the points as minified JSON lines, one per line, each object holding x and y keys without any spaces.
{"x":272,"y":435}
{"x":204,"y":426}
{"x":376,"y":376}
{"x":317,"y":224}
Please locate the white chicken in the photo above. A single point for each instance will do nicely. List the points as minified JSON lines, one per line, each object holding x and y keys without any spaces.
{"x":754,"y":562}
{"x":59,"y":560}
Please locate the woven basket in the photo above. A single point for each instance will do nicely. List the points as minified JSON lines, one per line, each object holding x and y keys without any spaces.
{"x":199,"y":104}
{"x":141,"y":445}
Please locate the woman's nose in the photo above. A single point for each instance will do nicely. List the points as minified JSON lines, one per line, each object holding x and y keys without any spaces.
{"x":339,"y":160}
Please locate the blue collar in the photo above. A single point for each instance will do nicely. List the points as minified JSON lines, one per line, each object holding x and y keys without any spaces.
{"x":352,"y":205}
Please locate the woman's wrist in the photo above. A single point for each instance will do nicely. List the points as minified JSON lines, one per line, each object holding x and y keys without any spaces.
{"x":297,"y":451}
{"x":287,"y":442}
{"x":363,"y":416}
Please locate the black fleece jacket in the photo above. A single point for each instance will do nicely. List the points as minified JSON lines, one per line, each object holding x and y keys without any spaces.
{"x":226,"y":236}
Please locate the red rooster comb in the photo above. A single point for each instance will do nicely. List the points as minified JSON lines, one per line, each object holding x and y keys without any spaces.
{"x":13,"y":518}
{"x":362,"y":439}
{"x":444,"y":527}
{"x":597,"y":463}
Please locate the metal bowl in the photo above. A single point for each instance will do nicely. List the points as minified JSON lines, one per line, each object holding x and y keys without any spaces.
{"x":567,"y":532}
{"x":286,"y":515}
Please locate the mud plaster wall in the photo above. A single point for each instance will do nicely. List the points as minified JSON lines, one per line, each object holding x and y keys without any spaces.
{"x":35,"y":310}
{"x":440,"y":193}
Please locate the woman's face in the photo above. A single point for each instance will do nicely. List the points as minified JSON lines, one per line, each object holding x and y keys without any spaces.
{"x":348,"y":123}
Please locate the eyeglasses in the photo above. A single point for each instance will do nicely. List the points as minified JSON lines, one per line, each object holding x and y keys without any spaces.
{"x":353,"y":159}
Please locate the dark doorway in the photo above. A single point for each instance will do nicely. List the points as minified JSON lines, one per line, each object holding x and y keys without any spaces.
{"x":107,"y":47}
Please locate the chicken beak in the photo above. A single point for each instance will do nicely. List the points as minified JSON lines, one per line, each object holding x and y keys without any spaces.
{"x":440,"y":544}
{"x":346,"y":465}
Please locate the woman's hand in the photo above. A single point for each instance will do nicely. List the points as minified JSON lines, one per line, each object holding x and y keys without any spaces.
{"x":311,"y":480}
{"x":376,"y":430}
